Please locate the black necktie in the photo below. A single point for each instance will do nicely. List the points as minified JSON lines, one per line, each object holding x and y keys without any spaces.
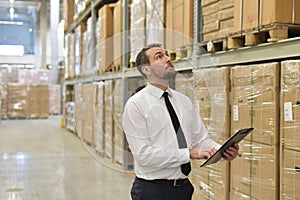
{"x":185,"y":168}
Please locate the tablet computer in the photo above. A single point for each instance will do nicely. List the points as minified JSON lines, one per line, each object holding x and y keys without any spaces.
{"x":236,"y":138}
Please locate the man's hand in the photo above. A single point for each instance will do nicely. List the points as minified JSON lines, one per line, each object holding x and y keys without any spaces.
{"x":232,"y":152}
{"x":201,"y":153}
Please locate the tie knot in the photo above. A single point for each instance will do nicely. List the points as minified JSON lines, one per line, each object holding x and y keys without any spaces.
{"x":165,"y":94}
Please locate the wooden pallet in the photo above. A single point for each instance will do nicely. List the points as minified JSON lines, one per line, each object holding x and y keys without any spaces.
{"x":100,"y":153}
{"x":113,"y":68}
{"x":269,"y":33}
{"x":212,"y":46}
{"x":132,"y":65}
{"x":183,"y":52}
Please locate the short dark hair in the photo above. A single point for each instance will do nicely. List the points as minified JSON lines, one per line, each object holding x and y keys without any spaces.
{"x":142,"y":59}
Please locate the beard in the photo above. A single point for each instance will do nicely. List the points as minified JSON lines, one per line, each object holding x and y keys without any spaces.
{"x":169,"y":74}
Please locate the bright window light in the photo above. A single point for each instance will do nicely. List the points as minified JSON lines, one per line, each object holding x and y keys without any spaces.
{"x":11,"y":50}
{"x":12,"y":23}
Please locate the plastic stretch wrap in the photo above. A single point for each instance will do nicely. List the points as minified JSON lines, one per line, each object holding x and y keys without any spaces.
{"x":70,"y":112}
{"x":69,"y":56}
{"x":104,"y":40}
{"x":137,"y":27}
{"x":99,"y":119}
{"x":255,"y":103}
{"x":38,"y":99}
{"x":89,"y":94}
{"x":290,"y":93}
{"x":211,"y":94}
{"x":17,"y":100}
{"x":54,"y":99}
{"x":184,"y":83}
{"x":78,"y":98}
{"x":290,"y":127}
{"x":118,"y":94}
{"x":78,"y":50}
{"x":255,"y":173}
{"x":155,"y":21}
{"x":34,"y":76}
{"x":88,"y":48}
{"x":3,"y":94}
{"x":108,"y":117}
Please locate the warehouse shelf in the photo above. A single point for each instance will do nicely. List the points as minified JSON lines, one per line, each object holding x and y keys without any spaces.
{"x":284,"y":49}
{"x":131,"y":72}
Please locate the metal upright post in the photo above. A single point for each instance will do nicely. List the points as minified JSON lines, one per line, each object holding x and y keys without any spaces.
{"x":125,"y":52}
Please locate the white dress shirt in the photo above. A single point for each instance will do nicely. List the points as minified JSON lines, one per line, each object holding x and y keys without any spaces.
{"x":151,"y":135}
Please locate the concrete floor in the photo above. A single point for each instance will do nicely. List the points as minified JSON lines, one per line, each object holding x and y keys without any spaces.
{"x":40,"y":160}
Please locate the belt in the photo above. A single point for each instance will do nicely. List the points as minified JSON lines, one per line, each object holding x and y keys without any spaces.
{"x":173,"y":182}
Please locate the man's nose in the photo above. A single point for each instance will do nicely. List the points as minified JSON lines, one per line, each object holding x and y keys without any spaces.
{"x":168,"y":58}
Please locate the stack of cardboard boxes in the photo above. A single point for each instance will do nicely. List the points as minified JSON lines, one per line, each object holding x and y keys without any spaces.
{"x":218,"y":19}
{"x":255,"y":103}
{"x":104,"y":33}
{"x":212,"y":90}
{"x":290,"y":127}
{"x":25,"y":93}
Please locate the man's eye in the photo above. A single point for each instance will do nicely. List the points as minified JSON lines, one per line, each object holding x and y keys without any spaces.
{"x":158,"y":56}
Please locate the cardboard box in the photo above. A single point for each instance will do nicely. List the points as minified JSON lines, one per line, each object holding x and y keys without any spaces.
{"x":38,"y":101}
{"x":179,"y":23}
{"x":290,"y":97}
{"x":212,"y":98}
{"x":234,"y":194}
{"x":290,"y":174}
{"x":255,"y":102}
{"x":210,"y":9}
{"x":108,"y":118}
{"x":211,"y":182}
{"x":211,"y":95}
{"x":208,"y":2}
{"x":224,"y":4}
{"x":68,"y":12}
{"x":79,"y":111}
{"x":104,"y":57}
{"x":54,"y":99}
{"x":272,"y":11}
{"x":117,"y":37}
{"x":99,"y":120}
{"x":256,"y":173}
{"x":105,"y":18}
{"x":17,"y":100}
{"x":137,"y":27}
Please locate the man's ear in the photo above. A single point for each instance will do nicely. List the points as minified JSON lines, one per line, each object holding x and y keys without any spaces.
{"x":146,"y":69}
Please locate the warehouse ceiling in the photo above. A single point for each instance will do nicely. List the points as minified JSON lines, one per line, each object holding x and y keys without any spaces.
{"x":20,"y":25}
{"x":19,"y":10}
{"x":24,"y":10}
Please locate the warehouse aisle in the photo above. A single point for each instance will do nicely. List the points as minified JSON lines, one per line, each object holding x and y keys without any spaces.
{"x":40,"y":160}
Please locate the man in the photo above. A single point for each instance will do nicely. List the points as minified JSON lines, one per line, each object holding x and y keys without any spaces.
{"x":163,"y":141}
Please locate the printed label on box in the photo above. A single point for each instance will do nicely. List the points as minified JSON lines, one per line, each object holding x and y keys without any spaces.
{"x":235,"y":111}
{"x":288,"y":111}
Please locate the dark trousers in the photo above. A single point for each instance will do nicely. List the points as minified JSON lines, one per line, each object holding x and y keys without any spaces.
{"x":161,"y":190}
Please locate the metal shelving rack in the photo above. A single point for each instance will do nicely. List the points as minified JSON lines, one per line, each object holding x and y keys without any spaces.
{"x":276,"y":51}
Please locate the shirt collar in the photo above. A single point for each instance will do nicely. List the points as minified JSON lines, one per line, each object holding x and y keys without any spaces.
{"x":158,"y":92}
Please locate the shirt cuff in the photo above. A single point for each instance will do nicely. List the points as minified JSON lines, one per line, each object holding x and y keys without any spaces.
{"x":185,"y":155}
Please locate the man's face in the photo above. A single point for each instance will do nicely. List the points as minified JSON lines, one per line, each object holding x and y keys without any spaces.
{"x":161,"y":65}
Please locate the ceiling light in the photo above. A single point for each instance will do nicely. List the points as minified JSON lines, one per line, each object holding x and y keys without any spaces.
{"x":11,"y":10}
